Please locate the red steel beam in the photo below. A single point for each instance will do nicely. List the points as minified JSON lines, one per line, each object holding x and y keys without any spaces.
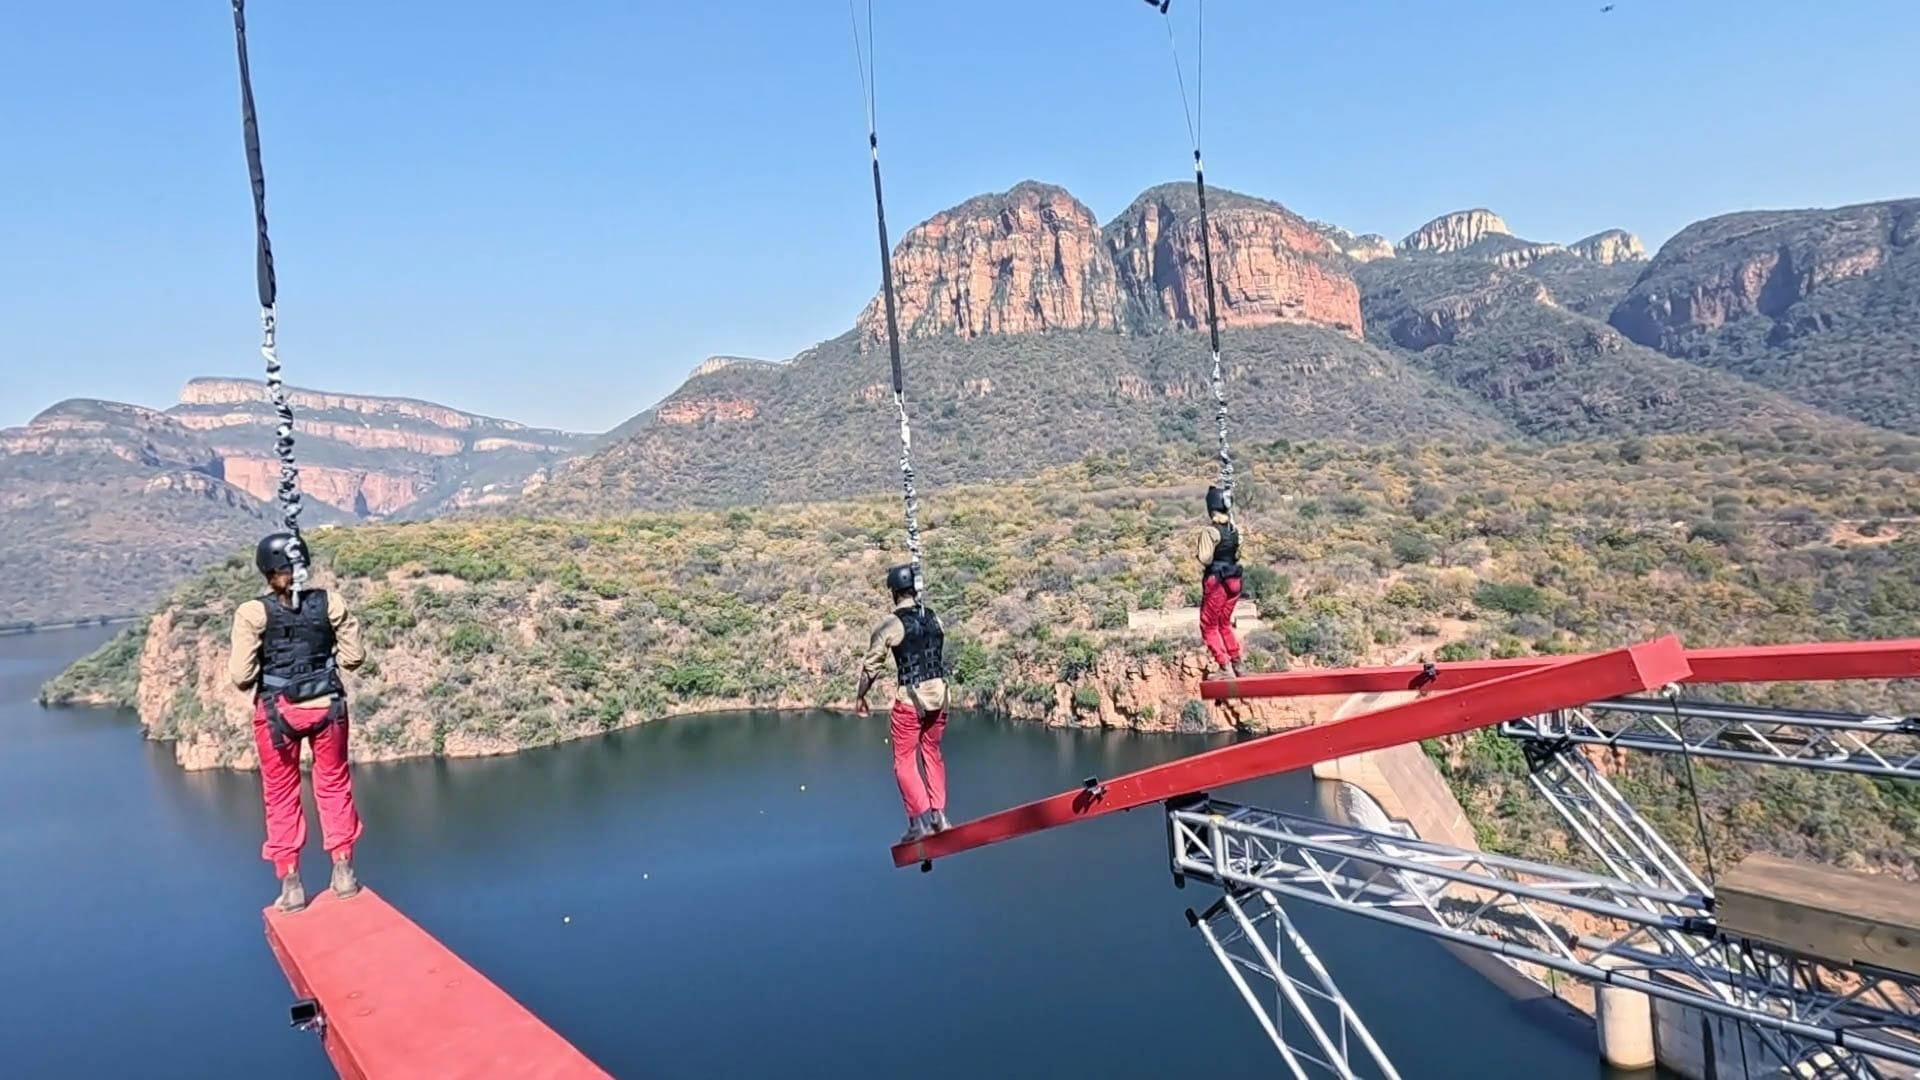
{"x":397,"y":1003}
{"x":1813,"y":662}
{"x":1557,"y":685}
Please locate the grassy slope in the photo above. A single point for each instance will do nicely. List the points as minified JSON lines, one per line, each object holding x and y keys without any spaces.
{"x":1003,"y":407}
{"x":530,"y":631}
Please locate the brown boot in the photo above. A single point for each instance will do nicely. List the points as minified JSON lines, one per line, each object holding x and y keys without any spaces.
{"x":345,"y":883}
{"x":293,"y":895}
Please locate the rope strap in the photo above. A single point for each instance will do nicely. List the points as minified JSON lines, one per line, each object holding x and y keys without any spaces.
{"x":1195,"y":115}
{"x":863,"y":54}
{"x":268,"y":287}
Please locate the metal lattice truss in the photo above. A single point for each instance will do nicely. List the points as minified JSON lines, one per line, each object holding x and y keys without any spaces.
{"x":1309,"y":1022}
{"x":1887,"y":746}
{"x":1820,"y":1018}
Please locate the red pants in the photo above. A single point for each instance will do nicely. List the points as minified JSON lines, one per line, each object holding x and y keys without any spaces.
{"x":916,"y":750}
{"x":1217,"y":599}
{"x":280,"y":786}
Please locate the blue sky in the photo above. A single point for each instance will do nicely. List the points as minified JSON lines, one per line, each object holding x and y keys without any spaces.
{"x":552,"y":211}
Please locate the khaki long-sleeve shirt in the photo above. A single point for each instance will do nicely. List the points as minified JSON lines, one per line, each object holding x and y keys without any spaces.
{"x":250,"y":623}
{"x":929,"y":696}
{"x":1204,"y":542}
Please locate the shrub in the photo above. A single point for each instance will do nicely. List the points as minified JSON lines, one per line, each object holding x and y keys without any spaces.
{"x":469,"y":640}
{"x":1077,"y":654}
{"x":1514,"y":599}
{"x":970,"y":664}
{"x":1086,"y":698}
{"x":693,"y":680}
{"x":1265,"y":583}
{"x":1407,"y":546}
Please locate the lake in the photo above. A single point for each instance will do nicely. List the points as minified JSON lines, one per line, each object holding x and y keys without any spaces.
{"x":733,"y":909}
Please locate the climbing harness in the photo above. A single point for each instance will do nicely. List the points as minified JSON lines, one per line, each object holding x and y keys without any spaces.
{"x":1195,"y":114}
{"x":863,"y":55}
{"x":289,"y":492}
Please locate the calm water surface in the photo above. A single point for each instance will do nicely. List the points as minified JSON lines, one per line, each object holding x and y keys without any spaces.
{"x":725,"y":922}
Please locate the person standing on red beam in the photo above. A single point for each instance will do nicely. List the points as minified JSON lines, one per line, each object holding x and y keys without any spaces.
{"x":1217,"y":548}
{"x":913,"y":637}
{"x":290,"y":652}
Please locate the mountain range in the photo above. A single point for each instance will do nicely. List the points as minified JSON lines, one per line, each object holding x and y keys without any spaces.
{"x":103,"y":505}
{"x":1035,"y":336}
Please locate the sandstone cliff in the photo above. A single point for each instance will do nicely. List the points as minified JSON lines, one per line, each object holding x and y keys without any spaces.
{"x":1455,"y":231}
{"x":1483,"y":235}
{"x":368,"y":456}
{"x":1029,"y":260}
{"x":1761,"y":263}
{"x":1823,"y":305}
{"x":1358,"y":248}
{"x":1609,"y":247}
{"x":104,"y":506}
{"x":136,"y":435}
{"x":1270,"y":265}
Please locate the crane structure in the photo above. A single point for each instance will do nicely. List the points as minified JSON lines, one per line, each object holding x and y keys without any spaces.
{"x":1639,"y":919}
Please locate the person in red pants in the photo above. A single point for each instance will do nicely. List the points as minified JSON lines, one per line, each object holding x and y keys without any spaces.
{"x":290,"y":653}
{"x":913,"y":637}
{"x":1217,"y":547}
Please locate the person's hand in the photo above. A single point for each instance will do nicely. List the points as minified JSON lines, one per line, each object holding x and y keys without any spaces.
{"x":860,"y":708}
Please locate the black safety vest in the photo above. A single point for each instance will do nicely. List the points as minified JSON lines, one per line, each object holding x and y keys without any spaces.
{"x":921,"y":654}
{"x":1225,"y":564}
{"x":296,"y":661}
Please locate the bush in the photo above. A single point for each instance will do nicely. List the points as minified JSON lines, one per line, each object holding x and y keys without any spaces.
{"x":1514,"y":599}
{"x":1459,"y":650}
{"x":1193,"y":716}
{"x":1086,"y":698}
{"x":970,"y":664}
{"x":693,"y":680}
{"x":1407,"y":546}
{"x":469,"y":640}
{"x":1265,"y":583}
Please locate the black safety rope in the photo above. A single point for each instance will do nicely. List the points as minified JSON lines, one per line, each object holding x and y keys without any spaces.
{"x":289,"y":492}
{"x":1195,"y":116}
{"x":1672,"y":694}
{"x":863,"y":54}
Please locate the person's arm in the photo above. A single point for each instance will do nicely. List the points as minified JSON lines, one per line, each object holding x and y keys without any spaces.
{"x":1204,"y":543}
{"x":874,"y":663}
{"x":243,"y":652}
{"x":348,"y":649}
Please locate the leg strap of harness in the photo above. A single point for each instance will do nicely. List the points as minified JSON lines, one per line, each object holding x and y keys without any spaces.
{"x":283,"y":734}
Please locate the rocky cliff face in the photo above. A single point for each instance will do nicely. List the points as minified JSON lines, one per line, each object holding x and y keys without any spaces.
{"x":1358,"y":248}
{"x":1739,"y":266}
{"x":1034,"y":260}
{"x":1029,"y":260}
{"x":1483,"y":235}
{"x":136,"y":435}
{"x":366,"y":456}
{"x":1453,"y":232}
{"x":1609,"y":247}
{"x":104,"y":506}
{"x":1823,"y":305}
{"x":1270,"y":266}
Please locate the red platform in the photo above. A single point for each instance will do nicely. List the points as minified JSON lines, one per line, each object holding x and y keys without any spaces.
{"x":1811,"y":662}
{"x":1544,"y":687}
{"x":398,"y":1004}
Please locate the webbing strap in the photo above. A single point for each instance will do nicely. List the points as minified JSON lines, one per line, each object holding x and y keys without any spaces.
{"x":1195,"y":115}
{"x":288,"y":494}
{"x":863,"y":53}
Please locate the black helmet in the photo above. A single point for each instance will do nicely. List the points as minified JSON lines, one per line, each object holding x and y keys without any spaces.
{"x":900,"y":579}
{"x":1216,"y":500}
{"x":274,"y":553}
